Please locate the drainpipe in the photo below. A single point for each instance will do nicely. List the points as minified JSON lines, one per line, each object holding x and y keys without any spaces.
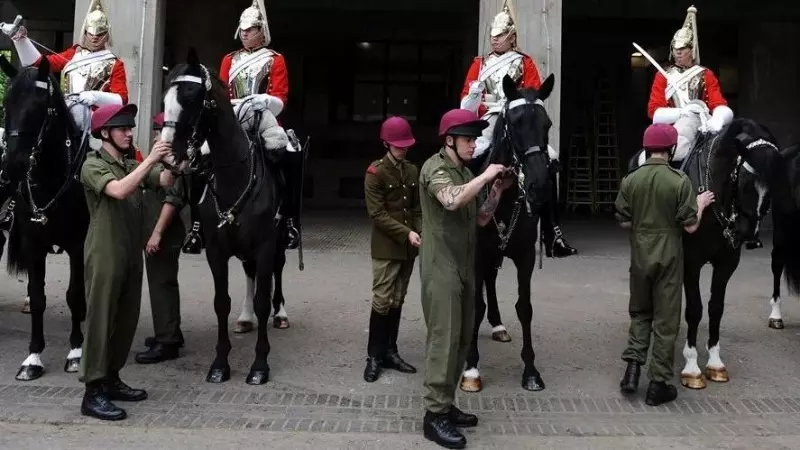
{"x":140,"y":68}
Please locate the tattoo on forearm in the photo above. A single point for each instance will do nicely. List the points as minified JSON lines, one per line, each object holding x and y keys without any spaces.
{"x":490,"y":205}
{"x":449,"y":195}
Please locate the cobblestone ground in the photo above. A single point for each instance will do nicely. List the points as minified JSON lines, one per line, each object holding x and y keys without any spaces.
{"x":316,"y":397}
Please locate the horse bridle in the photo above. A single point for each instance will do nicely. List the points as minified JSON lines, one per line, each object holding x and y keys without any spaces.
{"x":195,"y":141}
{"x":73,"y":160}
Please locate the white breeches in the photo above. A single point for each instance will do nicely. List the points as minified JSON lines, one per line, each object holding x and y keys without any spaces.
{"x":82,"y":115}
{"x":484,"y":141}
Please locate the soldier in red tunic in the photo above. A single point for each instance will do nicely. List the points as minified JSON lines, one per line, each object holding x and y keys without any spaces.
{"x":483,"y":94}
{"x":689,"y":98}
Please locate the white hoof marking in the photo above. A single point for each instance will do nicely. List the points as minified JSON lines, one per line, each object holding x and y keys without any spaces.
{"x":714,"y":361}
{"x":33,"y":360}
{"x":498,"y":328}
{"x":75,"y":353}
{"x":776,"y":308}
{"x":690,"y":355}
{"x":472,"y":374}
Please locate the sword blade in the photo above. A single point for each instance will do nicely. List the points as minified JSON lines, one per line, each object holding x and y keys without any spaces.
{"x":652,"y":60}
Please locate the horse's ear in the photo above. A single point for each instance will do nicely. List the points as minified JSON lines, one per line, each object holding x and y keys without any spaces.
{"x":7,"y":67}
{"x":510,"y":89}
{"x":192,"y":58}
{"x":791,"y":152}
{"x":547,"y":87}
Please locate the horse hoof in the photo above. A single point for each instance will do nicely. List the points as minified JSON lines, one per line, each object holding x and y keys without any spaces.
{"x":29,"y":373}
{"x":693,"y":381}
{"x":717,"y":375}
{"x":280,"y":323}
{"x":243,"y":327}
{"x":72,"y":365}
{"x":776,"y":324}
{"x":257,"y":377}
{"x":533,"y":383}
{"x":471,"y":384}
{"x":501,"y":336}
{"x":219,"y":375}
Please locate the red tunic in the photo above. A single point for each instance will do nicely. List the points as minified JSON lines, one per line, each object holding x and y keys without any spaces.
{"x":119,"y":81}
{"x":278,"y":80}
{"x":530,"y":77}
{"x":712,"y":93}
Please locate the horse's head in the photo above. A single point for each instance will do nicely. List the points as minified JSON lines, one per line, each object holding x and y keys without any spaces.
{"x":34,"y":110}
{"x":190,"y":103}
{"x":521,"y":138}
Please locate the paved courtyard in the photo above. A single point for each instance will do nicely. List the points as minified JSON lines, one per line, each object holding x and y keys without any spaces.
{"x":316,"y":397}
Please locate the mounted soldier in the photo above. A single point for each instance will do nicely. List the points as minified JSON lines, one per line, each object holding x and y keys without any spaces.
{"x":687,"y":95}
{"x":483,"y":94}
{"x":258,"y":86}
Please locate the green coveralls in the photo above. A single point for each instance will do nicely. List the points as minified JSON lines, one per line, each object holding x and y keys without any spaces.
{"x":113,"y":265}
{"x":659,"y":202}
{"x":162,"y":266}
{"x":392,"y":198}
{"x":447,"y":272}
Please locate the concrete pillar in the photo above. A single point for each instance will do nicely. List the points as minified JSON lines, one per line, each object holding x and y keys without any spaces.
{"x":141,"y":48}
{"x":769,"y":67}
{"x":538,"y":35}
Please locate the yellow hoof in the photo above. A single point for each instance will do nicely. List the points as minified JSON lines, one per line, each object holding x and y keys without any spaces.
{"x":693,"y":381}
{"x":243,"y":327}
{"x":471,"y":384}
{"x":501,"y":336}
{"x":717,"y":375}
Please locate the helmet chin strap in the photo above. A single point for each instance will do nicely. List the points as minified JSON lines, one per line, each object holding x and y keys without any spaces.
{"x":122,"y":151}
{"x":455,"y":150}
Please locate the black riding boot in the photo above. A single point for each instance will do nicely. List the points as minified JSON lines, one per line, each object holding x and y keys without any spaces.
{"x":97,"y":404}
{"x":376,"y":346}
{"x":193,"y":243}
{"x":392,"y":360}
{"x":292,"y":168}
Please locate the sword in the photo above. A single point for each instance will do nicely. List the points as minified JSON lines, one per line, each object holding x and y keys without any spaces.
{"x":663,"y":72}
{"x":301,"y":264}
{"x":17,"y":21}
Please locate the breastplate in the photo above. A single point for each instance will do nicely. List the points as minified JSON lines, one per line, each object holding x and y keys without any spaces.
{"x":695,"y":87}
{"x":86,"y":77}
{"x":254,"y":77}
{"x":494,"y":83}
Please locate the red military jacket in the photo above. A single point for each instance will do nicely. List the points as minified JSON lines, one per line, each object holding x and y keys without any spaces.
{"x":278,"y":81}
{"x":711,"y":94}
{"x":530,"y":77}
{"x":118,"y":83}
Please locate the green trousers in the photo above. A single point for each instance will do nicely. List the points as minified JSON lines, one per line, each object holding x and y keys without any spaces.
{"x":390,"y":283}
{"x":655,"y":309}
{"x":165,"y":297}
{"x":448,"y":303}
{"x":113,"y":298}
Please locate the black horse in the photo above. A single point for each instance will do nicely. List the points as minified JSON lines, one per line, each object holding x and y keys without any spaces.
{"x":520,"y":141}
{"x":785,"y":199}
{"x":44,"y":154}
{"x":723,"y":163}
{"x":238,"y":208}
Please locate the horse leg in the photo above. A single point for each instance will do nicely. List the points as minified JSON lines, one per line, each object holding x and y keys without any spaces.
{"x":76,"y":301}
{"x":471,"y":378}
{"x":220,"y":371}
{"x":724,"y":266}
{"x":691,"y":376}
{"x":281,"y":319}
{"x":775,"y":317}
{"x":499,"y":331}
{"x":259,"y":371}
{"x":244,"y":324}
{"x":32,"y":368}
{"x":531,"y":379}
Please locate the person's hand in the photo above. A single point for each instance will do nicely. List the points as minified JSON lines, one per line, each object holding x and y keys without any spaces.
{"x":476,"y":87}
{"x":494,"y":170}
{"x":705,"y":199}
{"x":503,"y":183}
{"x":159,"y":151}
{"x":414,"y":239}
{"x":153,"y":243}
{"x":89,"y":98}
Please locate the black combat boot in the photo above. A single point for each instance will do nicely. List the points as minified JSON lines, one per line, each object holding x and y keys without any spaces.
{"x":392,"y":360}
{"x":659,"y":393}
{"x":462,"y":419}
{"x":376,"y":346}
{"x":158,"y":353}
{"x":115,"y":389}
{"x":151,"y":341}
{"x":630,"y":381}
{"x":97,"y":404}
{"x":440,"y":429}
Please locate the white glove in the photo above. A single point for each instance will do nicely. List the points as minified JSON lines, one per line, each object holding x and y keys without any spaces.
{"x":15,"y":32}
{"x":472,"y":101}
{"x":477,"y":87}
{"x":88,"y":98}
{"x":552,"y":153}
{"x":723,"y":115}
{"x":266,"y":101}
{"x":99,"y":98}
{"x":667,"y":115}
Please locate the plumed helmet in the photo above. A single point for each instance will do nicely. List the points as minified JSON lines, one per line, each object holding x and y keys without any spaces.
{"x":96,"y":20}
{"x":397,"y":131}
{"x":503,"y":22}
{"x":660,"y":137}
{"x":687,"y":35}
{"x":461,"y":122}
{"x":255,"y":16}
{"x":108,"y":116}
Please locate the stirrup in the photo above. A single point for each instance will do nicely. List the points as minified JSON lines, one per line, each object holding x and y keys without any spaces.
{"x":292,"y":234}
{"x":193,"y":242}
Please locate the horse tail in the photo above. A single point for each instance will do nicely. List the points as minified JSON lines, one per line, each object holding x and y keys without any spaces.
{"x":16,"y":261}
